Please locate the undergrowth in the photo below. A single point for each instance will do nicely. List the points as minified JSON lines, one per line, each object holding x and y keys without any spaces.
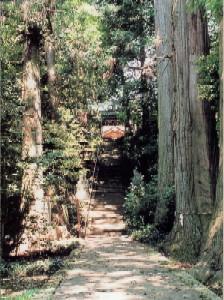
{"x":140,"y":208}
{"x":26,"y":278}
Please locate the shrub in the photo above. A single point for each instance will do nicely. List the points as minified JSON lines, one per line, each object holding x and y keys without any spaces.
{"x":140,"y":202}
{"x":146,"y":234}
{"x":5,"y":270}
{"x":147,"y":222}
{"x":165,"y":213}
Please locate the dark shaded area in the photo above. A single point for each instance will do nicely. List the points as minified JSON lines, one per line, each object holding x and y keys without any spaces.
{"x":12,"y":220}
{"x":60,"y":252}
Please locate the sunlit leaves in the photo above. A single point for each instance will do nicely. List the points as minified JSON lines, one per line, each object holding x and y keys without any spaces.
{"x":214,"y":6}
{"x":80,"y":53}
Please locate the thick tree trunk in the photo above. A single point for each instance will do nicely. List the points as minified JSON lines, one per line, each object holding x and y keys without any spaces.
{"x":191,"y":150}
{"x":33,"y":208}
{"x":210,"y":267}
{"x":166,"y":95}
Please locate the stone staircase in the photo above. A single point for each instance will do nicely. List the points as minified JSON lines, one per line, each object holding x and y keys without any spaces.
{"x":105,"y":216}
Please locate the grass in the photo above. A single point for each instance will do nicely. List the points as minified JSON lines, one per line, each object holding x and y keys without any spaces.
{"x":187,"y":279}
{"x":34,"y":278}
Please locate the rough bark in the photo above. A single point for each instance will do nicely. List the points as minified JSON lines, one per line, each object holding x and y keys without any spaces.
{"x":166,"y":95}
{"x":191,"y":150}
{"x":210,"y":267}
{"x":33,"y":208}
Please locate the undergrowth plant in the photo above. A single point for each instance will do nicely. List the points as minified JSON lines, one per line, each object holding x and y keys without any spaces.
{"x":140,"y":208}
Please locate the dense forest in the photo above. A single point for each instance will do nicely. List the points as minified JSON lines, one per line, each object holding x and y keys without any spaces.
{"x":155,"y":65}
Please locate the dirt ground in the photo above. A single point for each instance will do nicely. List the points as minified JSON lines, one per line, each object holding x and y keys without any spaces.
{"x":114,"y":267}
{"x":118,"y":268}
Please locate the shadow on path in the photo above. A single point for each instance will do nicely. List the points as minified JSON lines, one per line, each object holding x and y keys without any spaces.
{"x":118,"y":268}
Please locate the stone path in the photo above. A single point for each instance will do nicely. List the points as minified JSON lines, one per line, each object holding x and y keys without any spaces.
{"x":113,"y":267}
{"x":117,"y":268}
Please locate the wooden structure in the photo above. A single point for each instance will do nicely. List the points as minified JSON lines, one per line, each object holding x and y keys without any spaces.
{"x":111,"y":128}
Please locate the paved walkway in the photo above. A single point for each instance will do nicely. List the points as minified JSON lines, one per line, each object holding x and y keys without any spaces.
{"x":116,"y":268}
{"x":112,"y":266}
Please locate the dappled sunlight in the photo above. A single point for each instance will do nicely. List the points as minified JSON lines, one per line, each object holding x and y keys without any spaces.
{"x":111,"y":126}
{"x":119,"y":268}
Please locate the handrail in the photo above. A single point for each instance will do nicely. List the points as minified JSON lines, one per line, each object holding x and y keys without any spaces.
{"x":91,"y":191}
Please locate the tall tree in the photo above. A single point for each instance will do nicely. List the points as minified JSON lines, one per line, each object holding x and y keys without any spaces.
{"x":166,"y":98}
{"x":210,"y":266}
{"x":33,"y":208}
{"x":191,"y":151}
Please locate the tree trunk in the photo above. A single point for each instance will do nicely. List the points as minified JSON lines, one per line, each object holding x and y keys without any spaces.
{"x":210,"y":267}
{"x":191,"y":147}
{"x":33,"y":208}
{"x":166,"y":95}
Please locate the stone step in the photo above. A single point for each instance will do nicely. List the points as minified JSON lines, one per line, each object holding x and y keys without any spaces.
{"x":107,"y":208}
{"x":108,"y":191}
{"x":106,"y":234}
{"x":100,"y":221}
{"x":109,"y":184}
{"x":107,"y":158}
{"x":105,"y":215}
{"x":107,"y":196}
{"x":108,"y":180}
{"x":100,"y":182}
{"x":110,"y":149}
{"x":101,"y":229}
{"x":99,"y":214}
{"x":104,"y":203}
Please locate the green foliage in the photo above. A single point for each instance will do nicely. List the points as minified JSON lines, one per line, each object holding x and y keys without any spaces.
{"x":80,"y":59}
{"x":141,"y":149}
{"x":140,"y":202}
{"x":76,"y":37}
{"x":140,"y":207}
{"x":208,"y":84}
{"x":209,"y":72}
{"x":11,"y":113}
{"x":166,"y":210}
{"x":214,"y":6}
{"x":146,"y":234}
{"x":64,"y":148}
{"x":127,"y":28}
{"x":128,"y":31}
{"x":61,"y":158}
{"x":33,"y":268}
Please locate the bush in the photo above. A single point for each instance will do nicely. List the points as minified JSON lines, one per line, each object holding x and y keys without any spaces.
{"x":5,"y":270}
{"x":146,"y":234}
{"x":165,"y":213}
{"x":147,"y":222}
{"x":140,"y":202}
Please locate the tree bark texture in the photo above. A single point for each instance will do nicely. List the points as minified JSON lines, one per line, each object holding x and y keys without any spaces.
{"x":166,"y":98}
{"x":191,"y":146}
{"x":210,"y":267}
{"x":33,"y":208}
